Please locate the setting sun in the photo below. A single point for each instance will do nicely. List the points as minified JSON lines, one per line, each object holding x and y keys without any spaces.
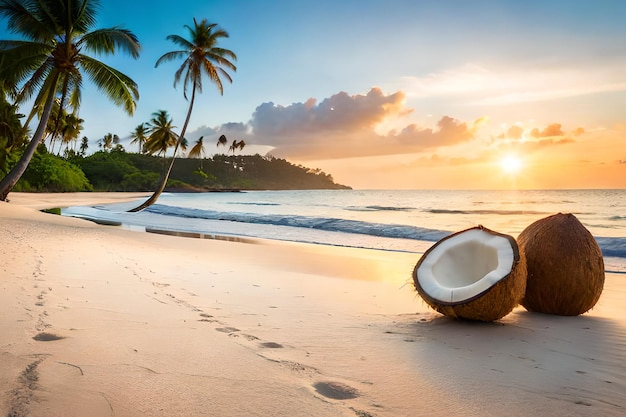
{"x":511,"y":164}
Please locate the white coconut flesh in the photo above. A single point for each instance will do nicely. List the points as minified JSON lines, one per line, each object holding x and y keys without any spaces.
{"x":465,"y":265}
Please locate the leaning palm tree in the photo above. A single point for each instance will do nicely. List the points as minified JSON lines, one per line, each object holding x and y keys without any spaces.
{"x":202,"y":55}
{"x":51,"y":62}
{"x":139,"y":136}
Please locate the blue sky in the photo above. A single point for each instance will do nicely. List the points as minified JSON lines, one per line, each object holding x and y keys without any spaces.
{"x":389,"y":93}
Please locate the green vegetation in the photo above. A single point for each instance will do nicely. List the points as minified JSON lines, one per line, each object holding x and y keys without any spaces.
{"x":50,"y":173}
{"x":58,"y":48}
{"x":11,"y":135}
{"x":123,"y":171}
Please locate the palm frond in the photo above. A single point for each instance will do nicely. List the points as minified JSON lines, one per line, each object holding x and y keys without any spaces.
{"x":36,"y":81}
{"x":222,"y":56}
{"x":20,"y":61}
{"x":84,"y":14}
{"x":107,"y":41}
{"x":23,"y":17}
{"x":171,"y":56}
{"x":180,"y":41}
{"x":49,"y":86}
{"x":73,"y":85}
{"x":120,"y":88}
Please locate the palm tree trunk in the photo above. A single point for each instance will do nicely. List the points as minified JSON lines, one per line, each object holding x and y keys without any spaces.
{"x":9,"y":181}
{"x":153,"y":198}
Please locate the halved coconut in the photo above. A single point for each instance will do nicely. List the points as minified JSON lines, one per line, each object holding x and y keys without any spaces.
{"x":565,"y":266}
{"x":475,"y":274}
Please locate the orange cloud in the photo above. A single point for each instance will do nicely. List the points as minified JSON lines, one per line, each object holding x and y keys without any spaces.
{"x":550,"y":131}
{"x":515,"y":132}
{"x":345,"y":126}
{"x":340,"y":112}
{"x":553,"y":130}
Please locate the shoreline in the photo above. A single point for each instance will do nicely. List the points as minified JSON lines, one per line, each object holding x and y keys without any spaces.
{"x":613,"y":264}
{"x":105,"y":321}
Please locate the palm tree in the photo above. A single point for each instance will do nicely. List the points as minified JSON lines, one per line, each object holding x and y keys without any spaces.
{"x":222,"y":141}
{"x":198,"y":150}
{"x":139,"y":136}
{"x":12,"y":135}
{"x":236,"y":145}
{"x":84,"y":145}
{"x":184,"y":144}
{"x":55,"y":124}
{"x":51,"y":62}
{"x":201,"y":55}
{"x":233,"y":146}
{"x":107,"y":142}
{"x":72,"y":126}
{"x":162,"y":136}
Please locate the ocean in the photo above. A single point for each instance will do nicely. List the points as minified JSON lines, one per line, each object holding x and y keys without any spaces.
{"x":393,"y":220}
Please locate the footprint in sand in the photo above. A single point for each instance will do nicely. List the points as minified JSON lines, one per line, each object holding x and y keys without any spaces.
{"x":207,"y":318}
{"x":336,"y":390}
{"x":271,"y":345}
{"x":47,"y":337}
{"x":227,"y":329}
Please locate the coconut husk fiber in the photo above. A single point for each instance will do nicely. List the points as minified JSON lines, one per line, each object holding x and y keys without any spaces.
{"x":492,"y":304}
{"x":565,"y":266}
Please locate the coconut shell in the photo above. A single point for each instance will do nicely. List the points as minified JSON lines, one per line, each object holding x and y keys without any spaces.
{"x":565,"y":266}
{"x":492,"y":304}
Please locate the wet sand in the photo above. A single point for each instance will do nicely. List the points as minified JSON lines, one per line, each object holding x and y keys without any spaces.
{"x":101,"y":321}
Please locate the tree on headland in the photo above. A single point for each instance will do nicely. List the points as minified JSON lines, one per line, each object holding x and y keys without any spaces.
{"x":51,"y":62}
{"x":62,"y":127}
{"x":222,"y":141}
{"x":84,"y":145}
{"x":184,"y":144}
{"x":197,"y":151}
{"x":139,"y":136}
{"x":108,"y":141}
{"x":162,"y":135}
{"x":236,"y":145}
{"x":201,"y":55}
{"x":72,"y":126}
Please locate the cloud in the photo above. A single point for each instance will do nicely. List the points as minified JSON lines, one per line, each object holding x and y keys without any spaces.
{"x":449,"y":132}
{"x":515,"y":132}
{"x":340,"y":112}
{"x":552,"y":134}
{"x":550,"y":131}
{"x":538,"y":144}
{"x":345,"y":125}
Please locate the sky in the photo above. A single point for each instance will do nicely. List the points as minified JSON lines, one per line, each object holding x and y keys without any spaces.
{"x":402,"y":94}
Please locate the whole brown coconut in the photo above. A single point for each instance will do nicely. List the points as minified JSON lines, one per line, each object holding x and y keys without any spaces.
{"x":565,"y":266}
{"x":475,"y":274}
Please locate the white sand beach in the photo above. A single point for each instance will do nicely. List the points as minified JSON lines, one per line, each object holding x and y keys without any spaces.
{"x":98,"y":320}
